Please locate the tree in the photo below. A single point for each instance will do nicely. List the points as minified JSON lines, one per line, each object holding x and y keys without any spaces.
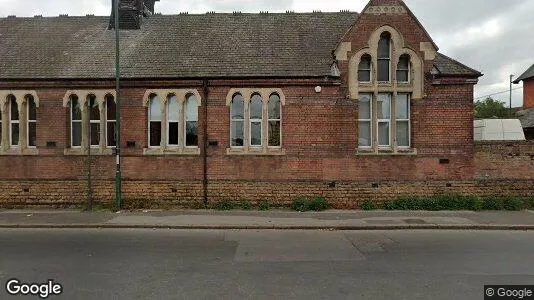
{"x":490,"y":108}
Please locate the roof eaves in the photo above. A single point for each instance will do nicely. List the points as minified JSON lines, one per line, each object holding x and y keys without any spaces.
{"x":529,"y":73}
{"x":475,"y":72}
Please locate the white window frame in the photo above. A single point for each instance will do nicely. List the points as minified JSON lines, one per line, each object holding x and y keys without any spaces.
{"x":75,"y":121}
{"x":251,"y":121}
{"x":91,"y":122}
{"x":388,"y":121}
{"x":150,"y":120}
{"x":269,"y":119}
{"x":169,"y":120}
{"x":384,"y":58}
{"x":30,"y":121}
{"x":232,"y":120}
{"x":405,"y":120}
{"x":105,"y":111}
{"x":370,"y":68}
{"x":408,"y":70}
{"x":184,"y":116}
{"x":12,"y":122}
{"x":370,"y":120}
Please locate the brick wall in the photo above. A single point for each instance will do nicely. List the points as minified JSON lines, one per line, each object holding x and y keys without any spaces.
{"x":505,"y":160}
{"x":528,"y":93}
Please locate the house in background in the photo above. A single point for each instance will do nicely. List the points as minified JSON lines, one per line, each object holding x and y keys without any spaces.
{"x":526,"y":116}
{"x":266,"y":106}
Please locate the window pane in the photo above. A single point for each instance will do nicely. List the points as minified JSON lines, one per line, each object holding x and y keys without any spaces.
{"x":274,"y":133}
{"x":173,"y":111}
{"x":173,"y":133}
{"x":237,"y":133}
{"x":238,"y":107}
{"x":14,"y":134}
{"x":191,"y":107}
{"x":274,"y":107}
{"x":364,"y":134}
{"x":383,"y":133}
{"x":383,"y":46}
{"x":191,"y":133}
{"x":75,"y":108}
{"x":95,"y":134}
{"x":14,"y":110}
{"x":255,"y":134}
{"x":364,"y":106}
{"x":32,"y":134}
{"x":404,"y":61}
{"x":256,"y":107}
{"x":94,"y":111}
{"x":32,"y":111}
{"x":76,"y":134}
{"x":403,"y":105}
{"x":403,"y":134}
{"x":365,"y":63}
{"x":383,"y":70}
{"x":155,"y":134}
{"x":402,"y":76}
{"x":364,"y":76}
{"x":112,"y":141}
{"x":111,"y":109}
{"x":155,"y":109}
{"x":384,"y":106}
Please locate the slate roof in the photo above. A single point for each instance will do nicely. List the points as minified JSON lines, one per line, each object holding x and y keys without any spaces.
{"x":528,"y":74}
{"x":180,"y":46}
{"x":450,"y":67}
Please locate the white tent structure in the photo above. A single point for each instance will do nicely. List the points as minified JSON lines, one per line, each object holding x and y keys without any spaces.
{"x":499,"y":130}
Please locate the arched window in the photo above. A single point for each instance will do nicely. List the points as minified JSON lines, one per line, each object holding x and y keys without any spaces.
{"x":364,"y":69}
{"x":256,"y":117}
{"x":191,"y":121}
{"x":173,"y":120}
{"x":32,"y":121}
{"x":76,"y":122}
{"x":384,"y":57}
{"x":155,"y":117}
{"x":111,"y":121}
{"x":274,"y":121}
{"x":403,"y":69}
{"x":238,"y":120}
{"x":14,"y":120}
{"x":94,"y":120}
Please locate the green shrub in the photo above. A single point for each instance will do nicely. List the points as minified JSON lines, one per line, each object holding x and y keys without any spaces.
{"x":264,"y":206}
{"x":530,"y":203}
{"x":303,"y":204}
{"x":390,"y":205}
{"x":493,"y":203}
{"x":245,"y":205}
{"x":225,"y":205}
{"x":513,"y":203}
{"x":368,"y":205}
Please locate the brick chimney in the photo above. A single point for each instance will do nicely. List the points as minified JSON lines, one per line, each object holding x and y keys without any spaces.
{"x":131,"y":13}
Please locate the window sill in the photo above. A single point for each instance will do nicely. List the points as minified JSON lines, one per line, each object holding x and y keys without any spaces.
{"x":256,"y":151}
{"x":81,"y":152}
{"x":386,"y":152}
{"x":171,"y":151}
{"x":20,"y":152}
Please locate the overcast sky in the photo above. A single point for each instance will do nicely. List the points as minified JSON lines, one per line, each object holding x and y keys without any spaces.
{"x":495,"y":37}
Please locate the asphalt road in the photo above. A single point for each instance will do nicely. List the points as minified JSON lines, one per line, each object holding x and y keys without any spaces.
{"x":175,"y":264}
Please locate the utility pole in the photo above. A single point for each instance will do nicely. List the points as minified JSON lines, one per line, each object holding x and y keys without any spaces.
{"x":118,"y":179}
{"x":511,"y":77}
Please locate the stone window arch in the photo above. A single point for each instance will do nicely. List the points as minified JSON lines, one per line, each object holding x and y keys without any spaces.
{"x":172,"y":121}
{"x":255,"y":121}
{"x":403,"y":69}
{"x":18,"y":122}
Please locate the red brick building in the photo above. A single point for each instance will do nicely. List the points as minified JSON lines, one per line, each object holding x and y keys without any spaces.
{"x":233,"y":106}
{"x":527,"y":114}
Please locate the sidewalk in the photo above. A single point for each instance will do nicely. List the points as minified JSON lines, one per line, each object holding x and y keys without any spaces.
{"x":329,"y":220}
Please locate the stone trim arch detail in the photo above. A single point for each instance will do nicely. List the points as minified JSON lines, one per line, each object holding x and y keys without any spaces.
{"x":164,"y":94}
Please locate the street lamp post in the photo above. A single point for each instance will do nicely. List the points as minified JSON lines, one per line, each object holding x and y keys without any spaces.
{"x":511,"y":77}
{"x":118,"y":179}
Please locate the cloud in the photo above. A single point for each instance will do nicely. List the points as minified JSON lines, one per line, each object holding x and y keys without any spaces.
{"x":492,"y":36}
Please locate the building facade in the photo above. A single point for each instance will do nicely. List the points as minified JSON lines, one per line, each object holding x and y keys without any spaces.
{"x":233,"y":106}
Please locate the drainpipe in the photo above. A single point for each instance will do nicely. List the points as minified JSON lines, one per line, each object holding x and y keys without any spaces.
{"x":205,"y":143}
